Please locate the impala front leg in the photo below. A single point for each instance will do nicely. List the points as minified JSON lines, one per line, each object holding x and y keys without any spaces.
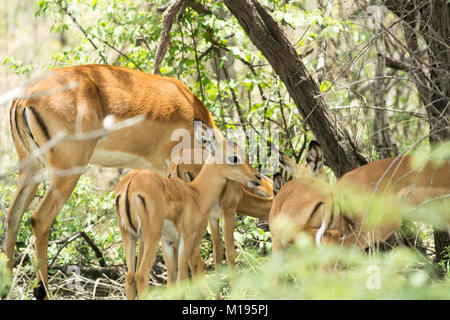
{"x":217,"y":242}
{"x":196,"y":261}
{"x":185,"y":250}
{"x":229,"y":217}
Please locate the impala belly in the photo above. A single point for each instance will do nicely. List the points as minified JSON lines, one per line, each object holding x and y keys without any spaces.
{"x":118,"y":159}
{"x":169,"y":231}
{"x":216,"y":211}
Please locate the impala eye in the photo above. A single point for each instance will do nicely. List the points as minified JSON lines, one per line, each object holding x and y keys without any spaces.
{"x":233,"y":159}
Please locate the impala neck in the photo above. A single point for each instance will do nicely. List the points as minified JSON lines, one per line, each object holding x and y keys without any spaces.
{"x":255,"y":206}
{"x":208,"y":185}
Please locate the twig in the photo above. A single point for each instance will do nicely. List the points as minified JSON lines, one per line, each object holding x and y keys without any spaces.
{"x":320,"y":69}
{"x":94,"y":247}
{"x":88,"y":240}
{"x":413,"y":113}
{"x":4,"y":219}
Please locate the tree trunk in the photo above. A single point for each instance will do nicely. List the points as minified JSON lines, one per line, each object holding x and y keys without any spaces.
{"x":342,"y":153}
{"x":430,"y":20}
{"x":437,"y":31}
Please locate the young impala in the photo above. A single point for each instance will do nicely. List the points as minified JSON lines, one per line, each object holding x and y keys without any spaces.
{"x":153,"y":207}
{"x":235,"y":198}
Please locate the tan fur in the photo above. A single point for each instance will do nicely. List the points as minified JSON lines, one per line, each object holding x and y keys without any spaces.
{"x":298,"y":198}
{"x":77,"y":100}
{"x":301,"y":203}
{"x":186,"y":206}
{"x":393,"y":176}
{"x":234,"y":199}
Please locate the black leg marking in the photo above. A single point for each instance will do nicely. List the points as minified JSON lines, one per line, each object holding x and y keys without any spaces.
{"x":143,"y":201}
{"x":41,"y":122}
{"x":16,"y":125}
{"x":117,"y":202}
{"x":127,"y":208}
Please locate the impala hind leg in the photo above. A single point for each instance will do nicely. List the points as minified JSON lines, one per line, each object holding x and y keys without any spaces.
{"x":146,"y":263}
{"x":129,"y":247}
{"x":26,"y":189}
{"x":229,"y":217}
{"x":169,"y":250}
{"x":42,"y":219}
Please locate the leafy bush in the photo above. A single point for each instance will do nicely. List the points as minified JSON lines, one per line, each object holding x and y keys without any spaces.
{"x":5,"y":276}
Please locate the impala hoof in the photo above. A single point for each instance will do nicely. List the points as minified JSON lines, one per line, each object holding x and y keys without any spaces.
{"x":39,"y":292}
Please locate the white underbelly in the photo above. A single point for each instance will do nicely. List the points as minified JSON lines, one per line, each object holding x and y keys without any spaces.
{"x":117,"y":159}
{"x":169,"y":231}
{"x":216,"y":212}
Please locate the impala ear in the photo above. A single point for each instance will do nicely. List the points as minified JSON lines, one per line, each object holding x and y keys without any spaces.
{"x":204,"y":135}
{"x":278,"y":182}
{"x":314,"y":158}
{"x":287,"y":164}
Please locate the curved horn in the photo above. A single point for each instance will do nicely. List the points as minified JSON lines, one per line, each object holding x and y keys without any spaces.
{"x":320,"y":233}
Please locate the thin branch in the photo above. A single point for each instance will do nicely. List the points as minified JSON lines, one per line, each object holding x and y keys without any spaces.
{"x":86,"y":34}
{"x":395,"y":64}
{"x":65,"y":242}
{"x":413,"y":113}
{"x":320,"y":69}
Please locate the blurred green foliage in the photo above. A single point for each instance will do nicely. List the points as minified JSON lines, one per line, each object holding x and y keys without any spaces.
{"x":5,"y":276}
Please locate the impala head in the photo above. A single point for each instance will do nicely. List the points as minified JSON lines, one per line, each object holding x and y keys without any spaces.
{"x":313,"y":166}
{"x":228,"y":158}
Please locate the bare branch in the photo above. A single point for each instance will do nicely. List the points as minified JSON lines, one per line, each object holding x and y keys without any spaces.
{"x":167,"y":21}
{"x":395,"y":64}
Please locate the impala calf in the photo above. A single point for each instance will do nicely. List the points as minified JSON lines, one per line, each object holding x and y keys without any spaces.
{"x":235,"y":198}
{"x":153,"y":207}
{"x":74,"y":102}
{"x":302,"y":203}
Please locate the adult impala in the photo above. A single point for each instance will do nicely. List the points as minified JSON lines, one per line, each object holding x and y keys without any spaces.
{"x":80,"y":100}
{"x":384,"y":178}
{"x":154,"y":207}
{"x":312,"y":206}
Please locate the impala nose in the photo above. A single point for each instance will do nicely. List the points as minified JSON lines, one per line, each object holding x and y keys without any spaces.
{"x":258,"y":177}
